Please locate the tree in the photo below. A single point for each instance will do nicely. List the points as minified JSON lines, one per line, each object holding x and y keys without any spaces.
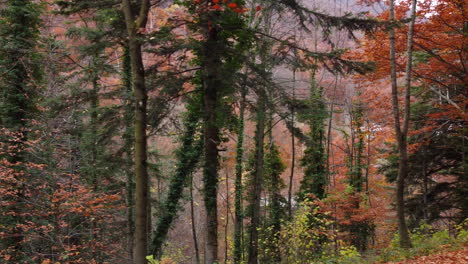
{"x":402,"y":132}
{"x":270,"y":251}
{"x":55,"y":207}
{"x":436,"y":115}
{"x":188,"y":156}
{"x":257,"y":176}
{"x":315,"y":175}
{"x":135,"y":24}
{"x":217,"y":54}
{"x":239,"y":214}
{"x":20,"y":80}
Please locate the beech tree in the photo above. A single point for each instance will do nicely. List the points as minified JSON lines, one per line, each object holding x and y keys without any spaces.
{"x":136,"y":22}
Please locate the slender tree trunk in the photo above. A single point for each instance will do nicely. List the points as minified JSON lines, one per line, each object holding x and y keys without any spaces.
{"x":329,"y":129}
{"x":134,"y":24}
{"x":425,"y":182}
{"x":257,"y":177}
{"x":275,"y":210}
{"x":128,"y":139}
{"x":368,"y":161}
{"x":405,"y":241}
{"x":239,"y":215}
{"x":94,"y":104}
{"x":140,"y":157}
{"x":226,"y":225}
{"x":293,"y":148}
{"x":359,"y":148}
{"x":194,"y":227}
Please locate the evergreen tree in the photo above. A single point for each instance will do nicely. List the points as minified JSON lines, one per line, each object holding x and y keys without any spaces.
{"x":98,"y":126}
{"x":20,"y":73}
{"x":314,"y":159}
{"x":360,"y":230}
{"x":355,"y":159}
{"x":276,"y":211}
{"x":20,"y":81}
{"x":219,"y":56}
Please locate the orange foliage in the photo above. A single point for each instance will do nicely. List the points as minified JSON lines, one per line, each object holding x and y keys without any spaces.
{"x":60,"y":217}
{"x":445,"y":257}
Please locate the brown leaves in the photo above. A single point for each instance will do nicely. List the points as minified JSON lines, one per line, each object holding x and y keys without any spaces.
{"x":446,"y":257}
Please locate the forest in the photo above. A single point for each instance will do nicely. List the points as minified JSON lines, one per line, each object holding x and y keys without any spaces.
{"x":233,"y":131}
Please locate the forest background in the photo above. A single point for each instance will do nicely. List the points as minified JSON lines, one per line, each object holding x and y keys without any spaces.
{"x":218,"y":131}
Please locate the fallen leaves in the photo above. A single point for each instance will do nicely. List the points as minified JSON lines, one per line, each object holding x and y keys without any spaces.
{"x":446,"y":257}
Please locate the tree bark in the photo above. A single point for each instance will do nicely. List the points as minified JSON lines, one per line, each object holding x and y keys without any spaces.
{"x":401,"y":133}
{"x":194,"y":227}
{"x":239,"y":216}
{"x":211,"y":84}
{"x":128,"y":141}
{"x":226,"y":224}
{"x":257,"y":177}
{"x":293,"y":148}
{"x":134,"y":24}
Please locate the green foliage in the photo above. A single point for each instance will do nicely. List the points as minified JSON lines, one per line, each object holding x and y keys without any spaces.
{"x":462,"y":232}
{"x":302,"y":239}
{"x":172,"y":254}
{"x":20,"y":73}
{"x":151,"y":260}
{"x":20,"y":83}
{"x":188,"y":156}
{"x":429,"y":159}
{"x":314,"y":159}
{"x":355,"y":160}
{"x":270,"y":232}
{"x":425,"y":241}
{"x":307,"y":239}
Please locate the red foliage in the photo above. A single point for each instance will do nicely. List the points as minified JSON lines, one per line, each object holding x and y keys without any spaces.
{"x":54,"y":216}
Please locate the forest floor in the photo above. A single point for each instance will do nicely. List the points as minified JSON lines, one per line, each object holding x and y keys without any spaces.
{"x":448,"y":256}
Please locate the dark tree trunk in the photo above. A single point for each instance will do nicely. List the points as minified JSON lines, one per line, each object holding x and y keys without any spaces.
{"x":128,"y":142}
{"x":211,"y":84}
{"x":194,"y":227}
{"x":257,"y":177}
{"x":293,"y":148}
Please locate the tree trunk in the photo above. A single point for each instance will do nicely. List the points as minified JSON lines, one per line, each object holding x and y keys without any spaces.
{"x":401,"y":134}
{"x":134,"y":23}
{"x":194,"y":227}
{"x":211,"y":84}
{"x":293,"y":148}
{"x":226,"y":224}
{"x":128,"y":141}
{"x":239,"y":216}
{"x":257,"y":177}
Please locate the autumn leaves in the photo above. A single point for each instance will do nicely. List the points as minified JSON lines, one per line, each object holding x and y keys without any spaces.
{"x":225,"y":5}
